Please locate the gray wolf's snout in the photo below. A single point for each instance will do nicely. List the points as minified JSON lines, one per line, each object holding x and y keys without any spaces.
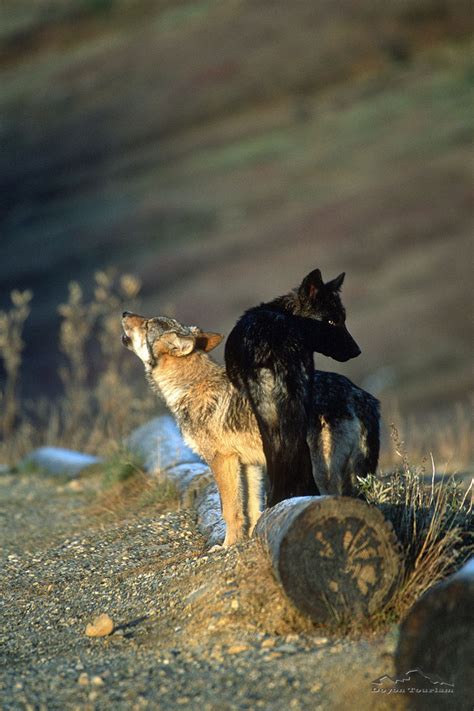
{"x":126,"y":340}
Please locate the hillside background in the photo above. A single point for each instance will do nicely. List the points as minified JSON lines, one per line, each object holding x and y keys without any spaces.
{"x":221,"y":150}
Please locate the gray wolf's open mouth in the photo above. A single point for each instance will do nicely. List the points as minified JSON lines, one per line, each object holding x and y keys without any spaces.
{"x":126,"y":340}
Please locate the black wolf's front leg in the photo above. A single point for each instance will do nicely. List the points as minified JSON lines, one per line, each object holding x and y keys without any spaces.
{"x":271,"y":365}
{"x":280,"y":407}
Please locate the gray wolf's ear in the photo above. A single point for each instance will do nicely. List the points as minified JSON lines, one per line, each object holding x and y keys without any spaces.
{"x":208,"y":341}
{"x":311,"y":284}
{"x":335,"y":284}
{"x":174,"y":344}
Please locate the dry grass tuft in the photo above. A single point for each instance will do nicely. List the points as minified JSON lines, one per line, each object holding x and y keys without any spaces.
{"x":433,"y":522}
{"x":98,"y":405}
{"x":127,"y":489}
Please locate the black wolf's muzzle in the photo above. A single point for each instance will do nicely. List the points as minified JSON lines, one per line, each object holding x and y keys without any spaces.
{"x":345,"y":347}
{"x":332,"y":341}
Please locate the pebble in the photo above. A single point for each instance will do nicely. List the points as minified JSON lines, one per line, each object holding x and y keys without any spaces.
{"x":320,"y":641}
{"x":287,"y":648}
{"x":102,"y":626}
{"x":237,"y":648}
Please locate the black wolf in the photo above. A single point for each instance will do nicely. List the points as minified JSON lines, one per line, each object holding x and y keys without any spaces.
{"x":269,"y":357}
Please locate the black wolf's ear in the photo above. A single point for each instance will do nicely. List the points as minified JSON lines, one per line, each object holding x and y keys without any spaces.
{"x":208,"y":341}
{"x":175,"y":344}
{"x":335,"y":284}
{"x":311,"y":284}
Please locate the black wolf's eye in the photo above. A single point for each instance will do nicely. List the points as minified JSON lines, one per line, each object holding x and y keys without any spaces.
{"x":337,"y":321}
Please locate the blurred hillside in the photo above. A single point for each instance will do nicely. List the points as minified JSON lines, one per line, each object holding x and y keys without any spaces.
{"x":221,"y":150}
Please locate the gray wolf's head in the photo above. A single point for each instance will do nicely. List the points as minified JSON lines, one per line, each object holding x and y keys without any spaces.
{"x":151,"y":339}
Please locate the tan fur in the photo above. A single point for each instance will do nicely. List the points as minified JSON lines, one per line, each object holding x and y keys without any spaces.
{"x":198,"y":383}
{"x":194,"y":384}
{"x":226,"y":473}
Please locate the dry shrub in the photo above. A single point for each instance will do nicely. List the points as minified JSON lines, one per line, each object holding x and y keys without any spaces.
{"x":433,"y":522}
{"x":99,"y":405}
{"x":11,"y":347}
{"x":107,"y":396}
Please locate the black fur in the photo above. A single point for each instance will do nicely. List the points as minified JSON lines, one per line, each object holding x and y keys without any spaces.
{"x":269,"y":357}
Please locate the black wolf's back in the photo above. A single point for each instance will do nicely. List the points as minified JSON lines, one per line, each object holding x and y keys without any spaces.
{"x":336,"y":398}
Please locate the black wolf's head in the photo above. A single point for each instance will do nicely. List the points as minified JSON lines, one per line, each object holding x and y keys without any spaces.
{"x":152,"y":338}
{"x":319,"y":300}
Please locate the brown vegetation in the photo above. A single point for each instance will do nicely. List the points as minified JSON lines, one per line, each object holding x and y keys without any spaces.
{"x":98,"y":406}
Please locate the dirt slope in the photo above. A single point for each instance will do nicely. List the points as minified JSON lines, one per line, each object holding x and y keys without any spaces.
{"x":194,"y":630}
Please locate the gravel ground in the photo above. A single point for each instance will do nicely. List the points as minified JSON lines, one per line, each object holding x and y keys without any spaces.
{"x":193,"y":630}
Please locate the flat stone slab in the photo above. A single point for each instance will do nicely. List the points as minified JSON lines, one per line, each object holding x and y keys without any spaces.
{"x":161,"y":446}
{"x":59,"y":461}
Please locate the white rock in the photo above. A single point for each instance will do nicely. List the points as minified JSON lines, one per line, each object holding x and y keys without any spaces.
{"x":56,"y":460}
{"x":160,"y":444}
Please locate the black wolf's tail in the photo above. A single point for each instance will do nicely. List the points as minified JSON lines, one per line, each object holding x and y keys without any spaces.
{"x":371,"y":420}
